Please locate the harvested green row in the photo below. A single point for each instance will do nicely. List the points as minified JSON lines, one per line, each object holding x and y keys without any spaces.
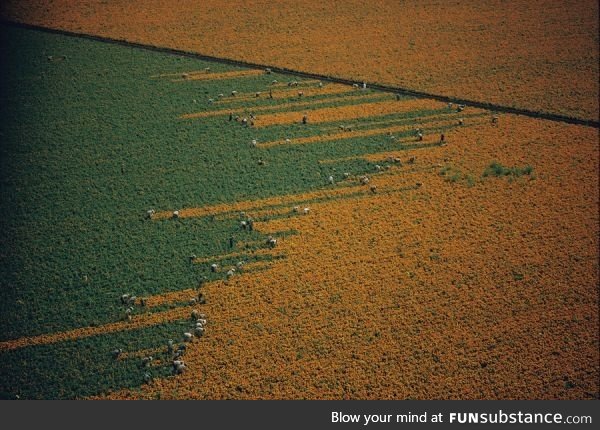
{"x":83,"y":367}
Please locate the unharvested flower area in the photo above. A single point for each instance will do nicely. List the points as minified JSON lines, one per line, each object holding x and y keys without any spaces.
{"x":540,"y":55}
{"x":475,"y":287}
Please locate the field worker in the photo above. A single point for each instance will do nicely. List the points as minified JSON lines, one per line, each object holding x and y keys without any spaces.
{"x":442,"y":138}
{"x":250,"y":224}
{"x":270,"y":94}
{"x":231,"y":242}
{"x":304,"y":119}
{"x":230,"y":116}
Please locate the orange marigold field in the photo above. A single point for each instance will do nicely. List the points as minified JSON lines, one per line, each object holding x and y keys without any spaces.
{"x":468,"y":287}
{"x":540,"y":54}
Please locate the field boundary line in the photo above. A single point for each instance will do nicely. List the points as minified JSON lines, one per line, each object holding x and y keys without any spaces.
{"x":327,"y":78}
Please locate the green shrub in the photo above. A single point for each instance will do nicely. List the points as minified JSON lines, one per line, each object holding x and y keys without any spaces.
{"x":498,"y":170}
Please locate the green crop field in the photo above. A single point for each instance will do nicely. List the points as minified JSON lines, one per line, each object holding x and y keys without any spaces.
{"x":93,"y":137}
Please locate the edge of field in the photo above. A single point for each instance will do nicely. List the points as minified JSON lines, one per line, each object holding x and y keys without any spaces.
{"x":306,"y":74}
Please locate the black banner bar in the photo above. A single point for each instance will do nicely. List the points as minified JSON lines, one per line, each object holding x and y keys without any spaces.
{"x":297,"y":414}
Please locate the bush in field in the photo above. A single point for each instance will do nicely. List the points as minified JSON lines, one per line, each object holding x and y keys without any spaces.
{"x":498,"y":170}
